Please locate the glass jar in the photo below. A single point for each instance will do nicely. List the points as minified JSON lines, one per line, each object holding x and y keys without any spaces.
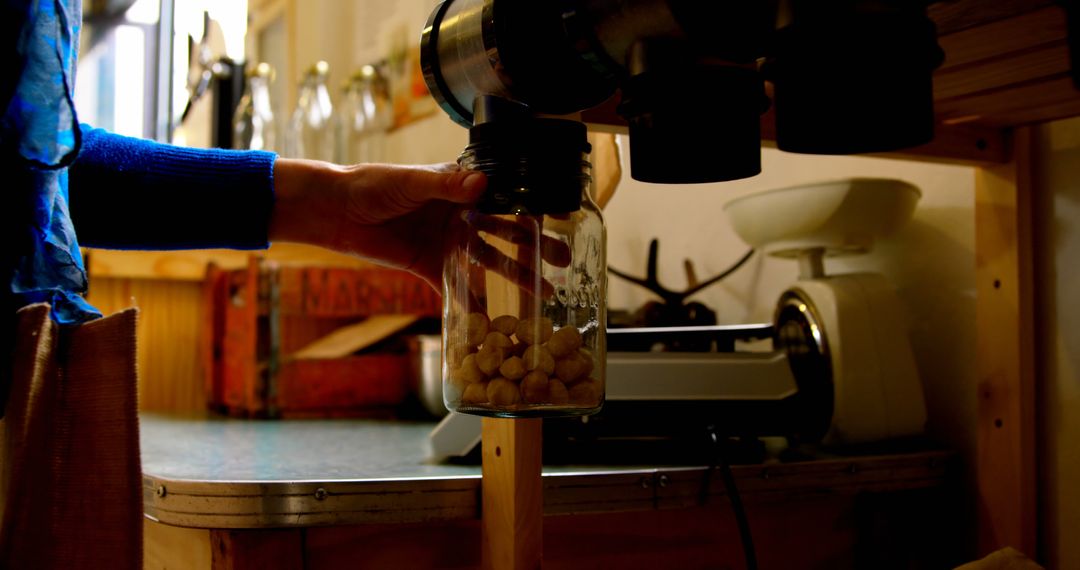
{"x":254,"y":127}
{"x":366,"y":116}
{"x":524,"y":279}
{"x":312,"y":133}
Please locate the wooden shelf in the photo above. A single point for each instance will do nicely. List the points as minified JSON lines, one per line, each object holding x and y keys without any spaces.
{"x":1007,"y":68}
{"x":1006,"y":65}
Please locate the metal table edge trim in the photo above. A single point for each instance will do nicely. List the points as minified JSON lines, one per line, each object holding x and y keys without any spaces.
{"x":275,"y":504}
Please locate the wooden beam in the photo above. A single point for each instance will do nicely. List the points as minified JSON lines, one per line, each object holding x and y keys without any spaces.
{"x":971,"y":145}
{"x":1005,"y":353}
{"x":512,"y":494}
{"x":190,"y":265}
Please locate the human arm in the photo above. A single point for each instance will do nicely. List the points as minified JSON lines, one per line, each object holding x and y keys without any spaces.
{"x":134,"y":194}
{"x":128,"y":193}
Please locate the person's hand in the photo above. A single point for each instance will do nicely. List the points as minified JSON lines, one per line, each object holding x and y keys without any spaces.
{"x":404,"y":216}
{"x":399,"y":216}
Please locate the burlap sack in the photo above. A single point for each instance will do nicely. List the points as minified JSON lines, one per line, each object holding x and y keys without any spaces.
{"x":70,"y":478}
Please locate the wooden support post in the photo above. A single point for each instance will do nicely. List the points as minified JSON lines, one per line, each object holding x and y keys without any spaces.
{"x":1005,"y":350}
{"x":512,"y":496}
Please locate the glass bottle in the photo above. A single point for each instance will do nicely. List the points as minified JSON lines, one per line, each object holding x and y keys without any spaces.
{"x":366,"y":116}
{"x":311,"y":132}
{"x":254,"y":127}
{"x":524,"y":278}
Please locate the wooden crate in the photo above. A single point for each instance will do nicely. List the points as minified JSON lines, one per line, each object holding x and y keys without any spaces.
{"x":257,"y":318}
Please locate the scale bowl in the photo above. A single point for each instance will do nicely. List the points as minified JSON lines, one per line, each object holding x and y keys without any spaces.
{"x":841,"y":217}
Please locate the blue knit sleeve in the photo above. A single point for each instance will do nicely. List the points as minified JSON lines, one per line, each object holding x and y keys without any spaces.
{"x":128,"y":193}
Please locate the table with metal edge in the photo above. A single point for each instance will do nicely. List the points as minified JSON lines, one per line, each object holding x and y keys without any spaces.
{"x":249,"y":474}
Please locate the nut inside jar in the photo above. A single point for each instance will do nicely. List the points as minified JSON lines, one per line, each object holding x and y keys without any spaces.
{"x":538,"y":365}
{"x":524,"y":275}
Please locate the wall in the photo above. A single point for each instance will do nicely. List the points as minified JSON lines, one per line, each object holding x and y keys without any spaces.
{"x":1057,"y":278}
{"x":345,"y":34}
{"x":348,"y":35}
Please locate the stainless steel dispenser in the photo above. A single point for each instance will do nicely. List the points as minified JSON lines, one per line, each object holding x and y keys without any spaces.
{"x":695,"y":71}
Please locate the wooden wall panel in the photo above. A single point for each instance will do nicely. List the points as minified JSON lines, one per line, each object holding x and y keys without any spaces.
{"x":170,"y":317}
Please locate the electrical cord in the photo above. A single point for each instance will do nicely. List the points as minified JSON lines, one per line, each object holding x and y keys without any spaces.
{"x":719,"y":460}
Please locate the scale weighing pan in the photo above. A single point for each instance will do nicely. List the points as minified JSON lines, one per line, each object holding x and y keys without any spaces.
{"x":842,"y":217}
